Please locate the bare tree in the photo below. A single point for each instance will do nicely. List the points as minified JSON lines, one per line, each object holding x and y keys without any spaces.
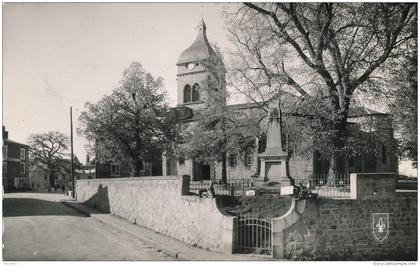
{"x":48,"y":152}
{"x":323,"y":52}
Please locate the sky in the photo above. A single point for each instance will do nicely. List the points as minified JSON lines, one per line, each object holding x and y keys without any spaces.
{"x":57,"y":55}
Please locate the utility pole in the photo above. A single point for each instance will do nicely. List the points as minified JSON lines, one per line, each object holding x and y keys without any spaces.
{"x":71,"y":151}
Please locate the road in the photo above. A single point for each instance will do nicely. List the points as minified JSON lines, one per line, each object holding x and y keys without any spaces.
{"x":38,"y":227}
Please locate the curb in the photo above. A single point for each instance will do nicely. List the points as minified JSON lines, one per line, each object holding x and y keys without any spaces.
{"x":100,"y":218}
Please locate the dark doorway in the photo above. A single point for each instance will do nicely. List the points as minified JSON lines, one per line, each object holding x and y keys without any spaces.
{"x":201,"y":171}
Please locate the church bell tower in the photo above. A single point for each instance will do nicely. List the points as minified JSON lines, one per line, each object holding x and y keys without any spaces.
{"x":192,"y":73}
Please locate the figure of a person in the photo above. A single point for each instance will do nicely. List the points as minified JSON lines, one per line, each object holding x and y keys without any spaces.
{"x":208,"y":193}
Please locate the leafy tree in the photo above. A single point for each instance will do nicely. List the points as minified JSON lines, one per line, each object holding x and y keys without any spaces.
{"x":216,"y":131}
{"x":326,"y":53}
{"x":404,"y":106}
{"x":131,"y":123}
{"x":49,"y":152}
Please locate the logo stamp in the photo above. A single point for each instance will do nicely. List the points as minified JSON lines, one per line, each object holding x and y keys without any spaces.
{"x":380,"y":226}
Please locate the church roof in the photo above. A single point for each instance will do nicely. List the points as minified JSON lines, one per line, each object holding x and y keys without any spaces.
{"x":261,"y":104}
{"x":355,"y":110}
{"x":200,"y":49}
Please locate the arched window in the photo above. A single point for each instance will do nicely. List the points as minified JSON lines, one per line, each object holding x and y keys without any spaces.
{"x":187,"y":93}
{"x":233,"y":160}
{"x":248,"y":159}
{"x":195,"y":93}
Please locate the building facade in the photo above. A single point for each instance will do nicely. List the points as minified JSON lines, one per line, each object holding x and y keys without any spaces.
{"x":87,"y":171}
{"x":39,"y":181}
{"x":191,"y":76}
{"x":15,"y":164}
{"x":102,"y":169}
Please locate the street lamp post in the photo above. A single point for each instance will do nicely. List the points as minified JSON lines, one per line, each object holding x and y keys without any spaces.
{"x":71,"y":150}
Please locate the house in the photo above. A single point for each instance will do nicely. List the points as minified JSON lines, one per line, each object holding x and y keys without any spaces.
{"x":38,"y":178}
{"x":191,"y":78}
{"x":87,"y":171}
{"x":61,"y":174}
{"x":15,"y":164}
{"x":109,"y":169}
{"x":121,"y":169}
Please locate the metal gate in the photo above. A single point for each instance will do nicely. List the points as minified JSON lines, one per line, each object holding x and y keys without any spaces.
{"x":254,"y":236}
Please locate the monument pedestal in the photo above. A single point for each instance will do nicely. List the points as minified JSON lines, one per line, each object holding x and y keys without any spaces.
{"x":274,"y":168}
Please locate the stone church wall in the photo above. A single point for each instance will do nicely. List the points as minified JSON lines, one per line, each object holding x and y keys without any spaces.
{"x":186,"y":168}
{"x":300,"y":167}
{"x":240,"y":171}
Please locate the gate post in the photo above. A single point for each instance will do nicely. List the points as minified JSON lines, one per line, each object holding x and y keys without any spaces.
{"x":185,"y":185}
{"x":230,"y":236}
{"x":277,"y":227}
{"x":281,"y":223}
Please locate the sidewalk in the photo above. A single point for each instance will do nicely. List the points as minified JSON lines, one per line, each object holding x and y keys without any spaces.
{"x":174,"y":248}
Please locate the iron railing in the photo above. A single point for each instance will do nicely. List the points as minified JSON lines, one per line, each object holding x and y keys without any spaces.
{"x":254,"y":236}
{"x":322,"y":184}
{"x":337,"y":186}
{"x":233,"y":187}
{"x":406,"y":184}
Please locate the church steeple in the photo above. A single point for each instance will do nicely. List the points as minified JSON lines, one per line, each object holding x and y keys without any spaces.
{"x":200,"y":49}
{"x":202,"y":25}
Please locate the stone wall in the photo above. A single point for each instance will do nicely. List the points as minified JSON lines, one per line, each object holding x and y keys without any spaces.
{"x":186,"y":168}
{"x":343,"y":229}
{"x":241,"y":170}
{"x":300,"y":167}
{"x":162,"y":204}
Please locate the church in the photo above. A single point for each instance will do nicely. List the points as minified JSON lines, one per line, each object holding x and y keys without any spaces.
{"x":191,"y":97}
